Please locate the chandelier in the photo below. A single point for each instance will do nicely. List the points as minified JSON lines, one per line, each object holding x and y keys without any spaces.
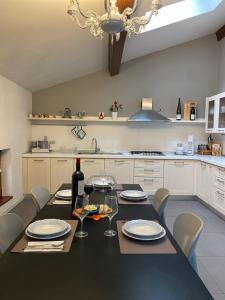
{"x":112,"y":22}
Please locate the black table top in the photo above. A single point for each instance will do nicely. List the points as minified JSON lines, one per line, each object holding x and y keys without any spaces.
{"x":94,"y":269}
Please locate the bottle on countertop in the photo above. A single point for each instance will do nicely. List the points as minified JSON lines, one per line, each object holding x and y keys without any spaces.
{"x":190,"y":145}
{"x":77,"y":183}
{"x":192,"y":114}
{"x":179,"y":111}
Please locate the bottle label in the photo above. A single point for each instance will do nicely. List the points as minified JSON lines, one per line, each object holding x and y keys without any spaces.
{"x":178,"y":117}
{"x":192,"y":117}
{"x":80,"y":187}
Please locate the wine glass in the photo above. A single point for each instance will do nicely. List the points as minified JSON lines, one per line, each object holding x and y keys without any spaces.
{"x":81,"y":213}
{"x":110,"y":208}
{"x":88,"y":187}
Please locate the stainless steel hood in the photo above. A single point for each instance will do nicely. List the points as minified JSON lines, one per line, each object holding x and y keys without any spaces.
{"x":147,"y":114}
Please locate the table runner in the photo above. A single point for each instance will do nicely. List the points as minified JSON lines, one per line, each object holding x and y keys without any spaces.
{"x":127,"y":202}
{"x":22,"y":243}
{"x":131,"y":246}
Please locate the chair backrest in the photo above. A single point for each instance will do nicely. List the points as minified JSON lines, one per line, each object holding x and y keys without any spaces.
{"x":41,"y":195}
{"x":160,"y":200}
{"x":27,"y":209}
{"x":186,"y":231}
{"x":11,"y":226}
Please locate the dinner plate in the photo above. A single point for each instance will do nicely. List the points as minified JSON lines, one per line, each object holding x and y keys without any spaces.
{"x":101,"y":183}
{"x":153,"y":238}
{"x":143,"y":228}
{"x":48,"y":237}
{"x":64,"y":194}
{"x":47,"y":227}
{"x":129,"y":194}
{"x":133,"y":199}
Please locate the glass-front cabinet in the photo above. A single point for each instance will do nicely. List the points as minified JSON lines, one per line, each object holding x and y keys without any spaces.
{"x":215,"y":114}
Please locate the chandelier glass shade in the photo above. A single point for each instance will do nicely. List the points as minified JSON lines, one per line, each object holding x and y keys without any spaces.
{"x":113,"y":21}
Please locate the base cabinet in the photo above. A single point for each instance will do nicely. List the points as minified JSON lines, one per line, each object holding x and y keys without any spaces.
{"x":38,"y":173}
{"x":205,"y":176}
{"x":179,"y":177}
{"x":61,"y":172}
{"x":121,"y":169}
{"x":92,"y":167}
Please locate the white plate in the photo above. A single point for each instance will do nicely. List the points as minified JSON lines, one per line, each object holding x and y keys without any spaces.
{"x":49,"y":237}
{"x":143,"y":228}
{"x":133,"y":194}
{"x":100,"y":183}
{"x":64,"y":194}
{"x":47,"y":227}
{"x":133,"y":199}
{"x":153,"y":238}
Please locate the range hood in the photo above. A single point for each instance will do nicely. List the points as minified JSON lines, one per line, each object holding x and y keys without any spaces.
{"x":147,"y":114}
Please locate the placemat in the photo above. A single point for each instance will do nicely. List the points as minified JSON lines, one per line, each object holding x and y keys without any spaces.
{"x":130,"y":246}
{"x":127,"y":202}
{"x":21,"y":245}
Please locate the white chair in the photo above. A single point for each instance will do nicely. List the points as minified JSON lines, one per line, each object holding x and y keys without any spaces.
{"x":186,"y":231}
{"x":27,"y":209}
{"x":11,"y":226}
{"x":160,"y":200}
{"x":41,"y":195}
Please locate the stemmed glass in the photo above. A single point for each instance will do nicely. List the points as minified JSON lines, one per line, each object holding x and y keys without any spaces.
{"x":81,"y":213}
{"x":88,"y":187}
{"x":110,"y":208}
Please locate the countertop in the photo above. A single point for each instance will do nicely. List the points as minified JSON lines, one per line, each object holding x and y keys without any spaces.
{"x":214,"y":160}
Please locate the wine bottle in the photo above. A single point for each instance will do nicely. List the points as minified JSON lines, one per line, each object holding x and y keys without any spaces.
{"x":179,"y":113}
{"x":192,"y":114}
{"x":77,"y":183}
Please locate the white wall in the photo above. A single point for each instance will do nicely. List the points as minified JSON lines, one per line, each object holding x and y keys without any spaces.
{"x":222,"y":66}
{"x":15,"y":134}
{"x":116,"y":137}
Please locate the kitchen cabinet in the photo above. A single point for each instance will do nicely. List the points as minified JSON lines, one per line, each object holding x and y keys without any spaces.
{"x":149,"y":174}
{"x":205,"y":179}
{"x":92,"y":167}
{"x":38,"y":173}
{"x":218,"y":197}
{"x":121,"y":169}
{"x":179,"y":177}
{"x":215,"y":114}
{"x":61,"y":172}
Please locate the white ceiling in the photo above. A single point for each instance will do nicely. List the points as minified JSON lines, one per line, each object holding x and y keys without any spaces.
{"x":41,"y":47}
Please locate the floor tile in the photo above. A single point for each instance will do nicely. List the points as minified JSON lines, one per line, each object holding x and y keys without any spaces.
{"x":211,"y":244}
{"x":218,"y":296}
{"x":215,"y":266}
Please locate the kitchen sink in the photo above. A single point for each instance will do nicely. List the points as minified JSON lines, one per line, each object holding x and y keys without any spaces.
{"x":101,"y":152}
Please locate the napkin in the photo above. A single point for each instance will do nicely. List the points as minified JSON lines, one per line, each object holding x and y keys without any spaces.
{"x":62,"y":202}
{"x":45,"y":246}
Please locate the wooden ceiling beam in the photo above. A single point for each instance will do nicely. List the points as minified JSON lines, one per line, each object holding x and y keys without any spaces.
{"x":116,"y":49}
{"x":220,"y":34}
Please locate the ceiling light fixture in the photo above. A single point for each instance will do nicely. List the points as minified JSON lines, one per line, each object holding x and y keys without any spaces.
{"x":112,"y":22}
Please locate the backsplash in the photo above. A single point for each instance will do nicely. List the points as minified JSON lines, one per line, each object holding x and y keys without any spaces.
{"x":154,"y":136}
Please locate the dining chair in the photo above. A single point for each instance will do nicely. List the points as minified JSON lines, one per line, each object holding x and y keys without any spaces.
{"x":186,"y":231}
{"x":27,"y":209}
{"x":41,"y":195}
{"x":159,"y":202}
{"x":11,"y":226}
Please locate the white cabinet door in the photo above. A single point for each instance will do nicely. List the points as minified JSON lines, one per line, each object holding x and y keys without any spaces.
{"x":38,"y":173}
{"x":61,"y":172}
{"x":25,"y":175}
{"x":150,"y":185}
{"x":179,"y":177}
{"x":219,"y":200}
{"x":210,"y":114}
{"x":121,"y":169}
{"x":92,"y":167}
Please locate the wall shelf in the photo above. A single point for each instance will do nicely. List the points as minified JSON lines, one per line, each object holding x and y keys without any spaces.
{"x":89,"y":119}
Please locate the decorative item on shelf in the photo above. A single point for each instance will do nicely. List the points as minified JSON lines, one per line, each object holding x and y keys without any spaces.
{"x":190,"y":145}
{"x":216,"y":149}
{"x":190,"y":110}
{"x":79,"y":132}
{"x":67,"y":113}
{"x":40,"y":115}
{"x":81,"y":114}
{"x":52,"y":116}
{"x":113,"y":21}
{"x":101,"y":115}
{"x":46,"y":115}
{"x":115,"y":108}
{"x":179,"y":111}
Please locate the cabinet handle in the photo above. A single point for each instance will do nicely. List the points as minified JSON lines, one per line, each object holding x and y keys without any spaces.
{"x":89,"y":161}
{"x":119,"y":161}
{"x":149,"y":170}
{"x":149,"y":180}
{"x":39,"y":160}
{"x":149,"y":161}
{"x":62,"y":160}
{"x":220,"y":181}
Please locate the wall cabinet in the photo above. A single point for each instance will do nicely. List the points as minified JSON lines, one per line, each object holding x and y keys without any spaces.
{"x":179,"y":177}
{"x":92,"y":167}
{"x":61,"y":172}
{"x":121,"y":169}
{"x":215,"y":114}
{"x":38,"y":173}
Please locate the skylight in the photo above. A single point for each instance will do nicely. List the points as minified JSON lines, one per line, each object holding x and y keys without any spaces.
{"x":181,"y":11}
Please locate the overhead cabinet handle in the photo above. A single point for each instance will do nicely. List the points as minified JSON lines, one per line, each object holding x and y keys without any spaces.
{"x":39,"y":160}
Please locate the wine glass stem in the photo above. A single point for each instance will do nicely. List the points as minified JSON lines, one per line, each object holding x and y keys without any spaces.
{"x":81,"y":224}
{"x":110,"y":223}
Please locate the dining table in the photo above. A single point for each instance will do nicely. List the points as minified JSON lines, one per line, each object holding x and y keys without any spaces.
{"x":95,"y":269}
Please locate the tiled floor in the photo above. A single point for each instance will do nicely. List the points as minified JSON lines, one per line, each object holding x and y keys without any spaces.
{"x":211,"y":246}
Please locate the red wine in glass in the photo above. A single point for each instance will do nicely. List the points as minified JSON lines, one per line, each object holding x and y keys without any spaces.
{"x":88,"y":188}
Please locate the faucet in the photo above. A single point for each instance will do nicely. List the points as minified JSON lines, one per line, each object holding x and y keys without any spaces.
{"x":95,"y":143}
